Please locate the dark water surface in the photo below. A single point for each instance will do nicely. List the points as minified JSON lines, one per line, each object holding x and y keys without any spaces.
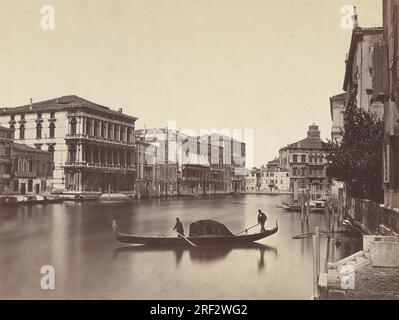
{"x":76,"y":239}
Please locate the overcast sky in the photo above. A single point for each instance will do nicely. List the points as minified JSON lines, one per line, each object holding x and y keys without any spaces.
{"x":270,"y":66}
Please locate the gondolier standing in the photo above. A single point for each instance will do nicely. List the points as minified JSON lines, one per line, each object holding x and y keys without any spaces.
{"x":179,"y":227}
{"x":262,"y":220}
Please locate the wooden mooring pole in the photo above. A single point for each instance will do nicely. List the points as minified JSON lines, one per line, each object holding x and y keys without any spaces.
{"x":315,"y":269}
{"x":340,"y":205}
{"x":327,"y":214}
{"x":317,"y":233}
{"x":302,"y":206}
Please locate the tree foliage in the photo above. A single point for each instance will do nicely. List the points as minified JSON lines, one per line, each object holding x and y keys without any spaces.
{"x":357,"y":158}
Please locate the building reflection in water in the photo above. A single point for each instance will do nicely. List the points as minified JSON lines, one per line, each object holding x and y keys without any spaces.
{"x":204,"y":254}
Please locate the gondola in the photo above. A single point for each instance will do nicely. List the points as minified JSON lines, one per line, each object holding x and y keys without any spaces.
{"x":202,"y":232}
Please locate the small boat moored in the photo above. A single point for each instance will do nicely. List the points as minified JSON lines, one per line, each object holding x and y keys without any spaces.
{"x":202,"y":232}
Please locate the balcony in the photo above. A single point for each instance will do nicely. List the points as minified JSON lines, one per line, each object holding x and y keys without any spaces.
{"x":99,"y":166}
{"x":307,"y":175}
{"x":78,"y":136}
{"x":27,"y":175}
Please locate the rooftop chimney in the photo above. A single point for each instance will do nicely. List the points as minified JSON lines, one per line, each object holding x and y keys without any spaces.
{"x":31,"y":104}
{"x":354,"y":18}
{"x":120,"y":110}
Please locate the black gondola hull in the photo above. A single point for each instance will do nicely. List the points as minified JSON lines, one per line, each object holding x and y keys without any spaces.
{"x":199,"y":241}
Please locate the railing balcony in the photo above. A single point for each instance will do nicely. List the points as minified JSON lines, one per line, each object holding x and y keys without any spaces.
{"x":99,"y":165}
{"x":95,"y":138}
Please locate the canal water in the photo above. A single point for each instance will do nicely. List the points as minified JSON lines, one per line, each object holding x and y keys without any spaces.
{"x":76,"y":239}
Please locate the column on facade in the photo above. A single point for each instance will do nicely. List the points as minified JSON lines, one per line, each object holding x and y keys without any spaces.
{"x":84,"y":121}
{"x":69,"y":125}
{"x":79,"y":152}
{"x":117,"y":157}
{"x":84,"y":152}
{"x":80,"y":182}
{"x":92,"y":153}
{"x":106,"y":130}
{"x":106,"y":155}
{"x":92,"y":127}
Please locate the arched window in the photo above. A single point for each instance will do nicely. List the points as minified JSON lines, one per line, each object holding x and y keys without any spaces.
{"x":39,"y":131}
{"x":12,"y":128}
{"x":103,"y":130}
{"x":52,"y":130}
{"x":121,"y":136}
{"x":72,"y":153}
{"x":129,"y":135}
{"x":88,"y":127}
{"x":21,"y":132}
{"x":116,"y":133}
{"x":51,"y":150}
{"x":97,"y":129}
{"x":73,"y":126}
{"x":110,"y":131}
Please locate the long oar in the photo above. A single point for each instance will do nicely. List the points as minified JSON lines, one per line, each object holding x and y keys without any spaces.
{"x":245,"y":230}
{"x":193,"y":244}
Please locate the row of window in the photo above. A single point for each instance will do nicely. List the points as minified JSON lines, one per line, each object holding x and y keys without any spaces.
{"x":101,"y":131}
{"x":23,"y":188}
{"x":39,"y":116}
{"x":272,"y":181}
{"x":29,"y":166}
{"x":303,"y":172}
{"x":314,"y":159}
{"x":269,"y":174}
{"x":39,"y":130}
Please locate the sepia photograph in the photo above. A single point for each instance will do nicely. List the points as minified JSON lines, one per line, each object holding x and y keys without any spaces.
{"x":199,"y":150}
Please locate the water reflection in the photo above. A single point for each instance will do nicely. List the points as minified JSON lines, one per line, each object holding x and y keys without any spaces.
{"x":76,"y":238}
{"x":203,"y":254}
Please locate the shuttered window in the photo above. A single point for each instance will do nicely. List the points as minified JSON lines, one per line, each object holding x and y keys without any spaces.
{"x":380,"y":72}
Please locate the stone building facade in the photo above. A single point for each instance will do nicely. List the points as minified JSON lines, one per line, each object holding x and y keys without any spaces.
{"x":32,"y":169}
{"x":157,"y":171}
{"x":305,"y":160}
{"x":92,"y":145}
{"x":337,"y":110}
{"x":6,"y":143}
{"x":389,"y":91}
{"x":252,"y":181}
{"x":187,"y":165}
{"x":275,"y":180}
{"x":363,"y":60}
